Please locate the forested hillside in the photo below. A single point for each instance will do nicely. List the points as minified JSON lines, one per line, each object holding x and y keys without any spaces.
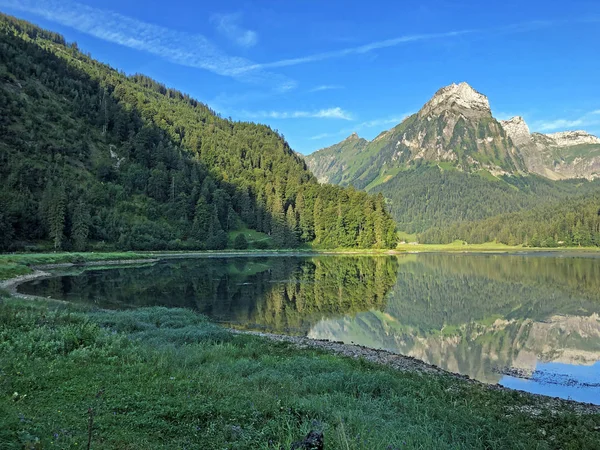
{"x":92,"y":158}
{"x":425,"y":196}
{"x":570,"y":222}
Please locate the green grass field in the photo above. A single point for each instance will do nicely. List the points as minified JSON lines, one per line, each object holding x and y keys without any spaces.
{"x":461,"y":246}
{"x":252,"y":236}
{"x":158,"y":378}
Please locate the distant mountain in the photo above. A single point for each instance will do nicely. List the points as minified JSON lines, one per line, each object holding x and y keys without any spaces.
{"x":453,"y":162}
{"x":568,"y":154}
{"x":455,"y":128}
{"x":333,"y":165}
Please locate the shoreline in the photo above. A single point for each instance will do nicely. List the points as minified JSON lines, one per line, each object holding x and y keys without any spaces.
{"x":404,"y":363}
{"x":396,"y":361}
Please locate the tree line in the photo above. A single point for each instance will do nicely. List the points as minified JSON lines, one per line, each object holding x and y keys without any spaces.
{"x":570,"y":222}
{"x":424,"y":196}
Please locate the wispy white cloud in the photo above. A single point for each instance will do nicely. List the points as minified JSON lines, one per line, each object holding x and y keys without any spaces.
{"x":589,"y":119}
{"x":330,"y":113}
{"x":394,"y":42}
{"x":325,"y":87}
{"x":318,"y":137}
{"x":558,"y":124}
{"x":353,"y":50}
{"x":187,"y":49}
{"x":228,"y":25}
{"x":380,"y":122}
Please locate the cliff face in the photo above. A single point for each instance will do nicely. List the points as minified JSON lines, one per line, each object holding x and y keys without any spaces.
{"x":567,"y":154}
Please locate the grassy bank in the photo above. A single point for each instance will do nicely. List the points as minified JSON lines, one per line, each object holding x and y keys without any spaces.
{"x":157,"y":378}
{"x":15,"y":264}
{"x":459,"y":246}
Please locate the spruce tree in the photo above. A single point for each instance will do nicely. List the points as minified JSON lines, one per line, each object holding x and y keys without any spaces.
{"x":56,"y":215}
{"x":291,"y":228}
{"x":319,"y":225}
{"x":80,"y":226}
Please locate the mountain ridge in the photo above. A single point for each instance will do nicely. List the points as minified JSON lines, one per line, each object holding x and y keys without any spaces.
{"x":560,"y":155}
{"x":454,"y":126}
{"x":457,"y":126}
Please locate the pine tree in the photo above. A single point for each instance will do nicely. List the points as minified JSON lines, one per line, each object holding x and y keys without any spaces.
{"x":278,"y":224}
{"x":366,"y":237}
{"x":291,"y":228}
{"x":305,"y":219}
{"x":6,"y":232}
{"x":318,"y":221}
{"x":202,"y":220}
{"x":56,"y":215}
{"x":80,"y":226}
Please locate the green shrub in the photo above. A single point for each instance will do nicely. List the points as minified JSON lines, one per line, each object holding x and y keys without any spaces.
{"x":260,"y":245}
{"x":240,"y":242}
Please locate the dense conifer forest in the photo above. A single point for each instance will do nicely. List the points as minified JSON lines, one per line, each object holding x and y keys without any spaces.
{"x":569,"y":222}
{"x":91,"y":158}
{"x":425,"y":196}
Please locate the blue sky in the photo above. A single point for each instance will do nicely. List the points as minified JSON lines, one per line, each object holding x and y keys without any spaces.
{"x":319,"y":70}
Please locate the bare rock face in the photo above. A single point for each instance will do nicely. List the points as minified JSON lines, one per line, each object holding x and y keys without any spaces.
{"x":457,"y":97}
{"x":517,"y":130}
{"x":555,"y":155}
{"x":570,"y":138}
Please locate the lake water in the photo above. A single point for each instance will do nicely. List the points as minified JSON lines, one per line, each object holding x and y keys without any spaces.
{"x":529,"y":322}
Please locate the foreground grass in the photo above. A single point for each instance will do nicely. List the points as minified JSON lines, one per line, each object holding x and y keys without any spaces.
{"x":158,"y":378}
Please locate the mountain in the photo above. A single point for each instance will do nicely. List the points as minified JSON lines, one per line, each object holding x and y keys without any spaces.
{"x":455,"y":129}
{"x":453,"y":162}
{"x":332,"y":168}
{"x":93,"y":159}
{"x":567,"y":154}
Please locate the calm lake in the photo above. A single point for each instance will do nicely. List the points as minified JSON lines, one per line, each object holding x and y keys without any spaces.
{"x":528,"y":322}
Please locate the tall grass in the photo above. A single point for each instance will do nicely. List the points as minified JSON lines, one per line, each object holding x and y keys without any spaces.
{"x":168,"y":378}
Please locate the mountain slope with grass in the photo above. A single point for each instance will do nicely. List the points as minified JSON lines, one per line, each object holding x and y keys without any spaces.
{"x":93,"y":158}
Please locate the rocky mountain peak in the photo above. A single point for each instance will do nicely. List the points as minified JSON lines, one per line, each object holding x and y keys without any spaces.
{"x":517,"y":130}
{"x":354,"y":136}
{"x":570,"y":138}
{"x":457,"y":97}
